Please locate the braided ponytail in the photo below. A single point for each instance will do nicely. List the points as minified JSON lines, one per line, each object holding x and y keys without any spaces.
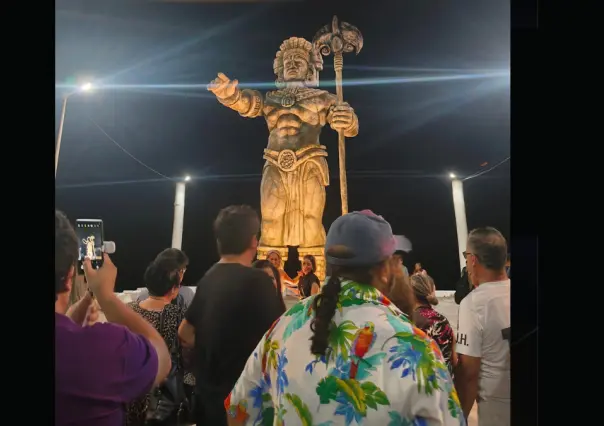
{"x":324,"y":305}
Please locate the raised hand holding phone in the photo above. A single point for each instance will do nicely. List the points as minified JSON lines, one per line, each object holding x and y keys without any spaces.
{"x":101,"y":281}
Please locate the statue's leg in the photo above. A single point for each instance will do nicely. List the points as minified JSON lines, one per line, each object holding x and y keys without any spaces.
{"x":313,"y":204}
{"x":273,"y":201}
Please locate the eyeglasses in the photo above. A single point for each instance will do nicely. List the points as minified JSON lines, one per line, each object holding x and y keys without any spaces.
{"x":467,"y":253}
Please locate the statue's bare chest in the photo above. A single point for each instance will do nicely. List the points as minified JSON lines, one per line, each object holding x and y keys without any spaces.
{"x":307,"y":105}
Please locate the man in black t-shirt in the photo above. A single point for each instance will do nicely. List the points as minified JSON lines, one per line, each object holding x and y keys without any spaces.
{"x":233,"y":307}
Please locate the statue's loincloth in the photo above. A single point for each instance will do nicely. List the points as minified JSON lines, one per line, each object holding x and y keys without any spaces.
{"x":301,"y":221}
{"x":288,"y":161}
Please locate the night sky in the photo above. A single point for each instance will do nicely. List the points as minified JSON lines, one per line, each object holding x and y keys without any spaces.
{"x":152,"y":62}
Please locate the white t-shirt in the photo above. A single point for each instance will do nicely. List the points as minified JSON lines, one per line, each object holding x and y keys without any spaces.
{"x":483,"y":330}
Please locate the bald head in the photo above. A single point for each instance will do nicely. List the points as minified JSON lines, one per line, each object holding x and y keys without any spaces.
{"x":489,"y":247}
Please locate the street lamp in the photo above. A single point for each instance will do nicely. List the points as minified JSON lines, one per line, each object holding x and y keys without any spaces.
{"x":179,"y":212}
{"x":86,"y":87}
{"x":459,"y":205}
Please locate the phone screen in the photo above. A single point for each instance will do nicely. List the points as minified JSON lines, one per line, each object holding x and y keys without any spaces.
{"x":90,"y":239}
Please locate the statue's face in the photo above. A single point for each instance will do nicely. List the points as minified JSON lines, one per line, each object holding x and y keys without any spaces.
{"x":295,"y":66}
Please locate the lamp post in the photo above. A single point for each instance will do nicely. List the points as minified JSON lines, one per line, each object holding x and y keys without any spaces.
{"x":83,"y":88}
{"x":459,"y":205}
{"x":179,"y":212}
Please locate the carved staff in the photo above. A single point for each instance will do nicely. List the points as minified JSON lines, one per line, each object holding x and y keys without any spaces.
{"x":337,"y":38}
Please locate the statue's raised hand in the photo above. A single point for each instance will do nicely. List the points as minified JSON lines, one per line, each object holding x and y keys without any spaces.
{"x":223,"y":87}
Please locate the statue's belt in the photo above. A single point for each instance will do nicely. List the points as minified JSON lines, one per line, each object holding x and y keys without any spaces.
{"x":289,"y":160}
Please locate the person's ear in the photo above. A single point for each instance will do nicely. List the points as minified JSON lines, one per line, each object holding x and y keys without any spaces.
{"x":69,"y":279}
{"x":254,"y":242}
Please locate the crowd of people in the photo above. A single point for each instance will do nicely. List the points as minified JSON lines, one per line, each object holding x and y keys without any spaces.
{"x":365,"y":347}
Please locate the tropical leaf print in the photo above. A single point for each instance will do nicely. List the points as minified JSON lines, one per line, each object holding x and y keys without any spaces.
{"x":397,"y":420}
{"x":298,"y":320}
{"x":352,"y":396}
{"x":369,"y":365}
{"x":374,"y":396}
{"x":415,"y":356}
{"x":356,"y":294}
{"x":298,"y":307}
{"x":341,"y":338}
{"x":259,"y":393}
{"x":453,"y":404}
{"x":279,"y":415}
{"x":301,"y":409}
{"x":398,"y":323}
{"x":282,"y":380}
{"x":269,"y":358}
{"x":311,"y":365}
{"x":237,"y":411}
{"x":268,"y":416}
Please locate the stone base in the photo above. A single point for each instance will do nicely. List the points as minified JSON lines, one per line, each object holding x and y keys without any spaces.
{"x":317,"y":252}
{"x":262,"y":252}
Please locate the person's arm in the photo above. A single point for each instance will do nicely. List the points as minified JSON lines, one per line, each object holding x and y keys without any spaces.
{"x":237,"y":405}
{"x":469,"y":350}
{"x":186,"y":330}
{"x":118,"y":312}
{"x":186,"y":334}
{"x":102,"y":283}
{"x":77,"y":312}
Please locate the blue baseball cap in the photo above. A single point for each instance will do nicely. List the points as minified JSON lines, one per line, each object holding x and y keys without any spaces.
{"x":359,"y":239}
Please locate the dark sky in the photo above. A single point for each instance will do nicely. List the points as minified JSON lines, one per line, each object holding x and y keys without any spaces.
{"x":152,"y":61}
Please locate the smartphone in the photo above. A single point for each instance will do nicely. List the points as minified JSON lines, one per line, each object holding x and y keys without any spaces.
{"x":90,"y":239}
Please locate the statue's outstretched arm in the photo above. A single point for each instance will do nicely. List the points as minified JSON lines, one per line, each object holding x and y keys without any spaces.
{"x":246,"y":102}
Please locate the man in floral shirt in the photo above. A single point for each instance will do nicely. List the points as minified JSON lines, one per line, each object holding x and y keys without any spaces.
{"x":366,"y":364}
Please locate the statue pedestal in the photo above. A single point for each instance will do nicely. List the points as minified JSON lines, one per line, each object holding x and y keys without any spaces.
{"x":262,"y":252}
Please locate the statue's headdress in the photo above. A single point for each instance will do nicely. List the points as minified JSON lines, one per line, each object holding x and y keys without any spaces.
{"x":306,"y":49}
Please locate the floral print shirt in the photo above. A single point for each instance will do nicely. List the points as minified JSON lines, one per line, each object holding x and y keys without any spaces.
{"x":379,"y":370}
{"x":437,"y":327}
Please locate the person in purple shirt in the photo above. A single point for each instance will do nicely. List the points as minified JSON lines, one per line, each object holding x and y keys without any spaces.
{"x":99,"y":368}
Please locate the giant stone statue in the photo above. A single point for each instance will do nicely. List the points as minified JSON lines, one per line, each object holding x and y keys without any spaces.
{"x":292,"y":192}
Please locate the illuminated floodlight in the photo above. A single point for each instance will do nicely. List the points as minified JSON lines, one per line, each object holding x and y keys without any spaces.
{"x":187,"y":178}
{"x":86,"y":87}
{"x":452,"y":175}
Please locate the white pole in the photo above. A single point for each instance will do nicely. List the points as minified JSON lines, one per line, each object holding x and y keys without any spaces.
{"x":179,"y":213}
{"x":60,"y":135}
{"x":459,"y":205}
